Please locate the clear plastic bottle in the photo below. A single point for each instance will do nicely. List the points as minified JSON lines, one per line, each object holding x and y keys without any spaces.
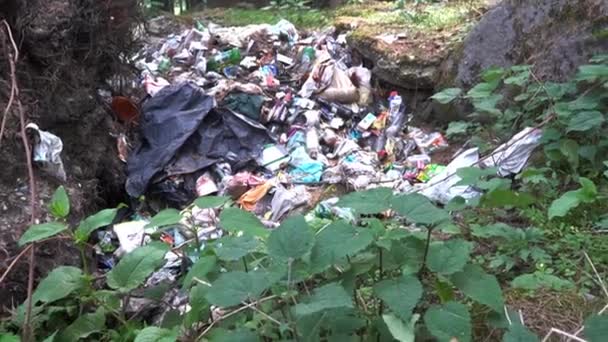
{"x":312,"y":142}
{"x":396,"y":116}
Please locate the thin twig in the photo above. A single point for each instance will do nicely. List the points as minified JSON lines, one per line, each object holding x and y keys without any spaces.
{"x":232,"y":313}
{"x":266,"y":315}
{"x":563,"y":333}
{"x":599,"y":278}
{"x":13,"y":80}
{"x":10,"y":267}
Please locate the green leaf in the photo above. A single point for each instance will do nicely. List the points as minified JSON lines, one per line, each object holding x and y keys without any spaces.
{"x":591,"y":73}
{"x":206,"y":202}
{"x":585,"y":121}
{"x":233,"y":288}
{"x":6,"y":337}
{"x":596,"y":328}
{"x":449,"y":257}
{"x":156,"y":334}
{"x":588,"y":192}
{"x":400,"y":331}
{"x":519,"y":79}
{"x":456,"y":204}
{"x":291,"y":240}
{"x":60,"y":203}
{"x":519,"y":333}
{"x":330,"y":296}
{"x":502,"y":198}
{"x":50,"y":338}
{"x":237,"y":220}
{"x":233,"y":248}
{"x":456,"y":128}
{"x":561,"y":206}
{"x":136,"y":266}
{"x":569,"y":149}
{"x":449,"y":321}
{"x":537,"y":280}
{"x":447,"y":95}
{"x":58,"y":284}
{"x":371,"y":201}
{"x":493,"y":74}
{"x":166,"y":217}
{"x":488,"y":104}
{"x":482,"y":90}
{"x":200,"y":269}
{"x":84,"y":326}
{"x":93,"y":222}
{"x":585,"y":102}
{"x":42,"y":231}
{"x":418,"y":209}
{"x":199,"y":311}
{"x":336,"y":241}
{"x":588,"y":152}
{"x":238,"y":335}
{"x":472,"y":175}
{"x":401,"y":294}
{"x":479,"y":286}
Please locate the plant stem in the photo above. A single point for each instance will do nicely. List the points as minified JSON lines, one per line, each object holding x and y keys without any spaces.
{"x":85,"y":266}
{"x":245,"y":264}
{"x":426,"y":247}
{"x":381,"y":268}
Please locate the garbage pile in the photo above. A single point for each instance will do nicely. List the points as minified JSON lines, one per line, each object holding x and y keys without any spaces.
{"x":265,"y":115}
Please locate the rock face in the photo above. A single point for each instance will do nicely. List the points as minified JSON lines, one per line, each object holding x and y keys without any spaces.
{"x":555,"y":36}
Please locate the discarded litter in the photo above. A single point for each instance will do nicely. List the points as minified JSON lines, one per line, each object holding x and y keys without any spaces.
{"x":47,"y":151}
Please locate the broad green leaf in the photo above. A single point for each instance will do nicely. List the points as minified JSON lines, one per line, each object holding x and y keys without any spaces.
{"x":506,"y":198}
{"x":93,"y":222}
{"x":60,"y":203}
{"x":569,"y":149}
{"x":448,"y":257}
{"x":591,"y":72}
{"x":413,"y":250}
{"x":200,"y":269}
{"x":42,"y":231}
{"x":6,"y":337}
{"x":199,"y":311}
{"x":588,"y":152}
{"x":165,"y":217}
{"x":456,"y":204}
{"x":233,"y":288}
{"x":156,"y":334}
{"x":449,"y":321}
{"x":447,"y":95}
{"x":400,"y":331}
{"x":488,"y":104}
{"x":237,"y":220}
{"x":291,"y":240}
{"x":58,"y":284}
{"x":537,"y":280}
{"x":596,"y":328}
{"x":84,"y":326}
{"x":493,"y":74}
{"x":519,"y":79}
{"x":330,"y":296}
{"x":235,"y":247}
{"x":585,"y":102}
{"x":482,"y":90}
{"x":561,"y":206}
{"x":237,"y":335}
{"x":135,"y":267}
{"x":588,"y":192}
{"x":472,"y":175}
{"x":457,"y":128}
{"x":585,"y":121}
{"x":51,"y":337}
{"x":479,"y":286}
{"x":400,"y":294}
{"x":365,"y":202}
{"x":519,"y":333}
{"x":211,"y":201}
{"x":336,"y":241}
{"x":309,"y":326}
{"x":419,"y":209}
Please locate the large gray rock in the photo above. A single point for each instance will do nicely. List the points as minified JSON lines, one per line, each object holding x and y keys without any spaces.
{"x":556,"y":36}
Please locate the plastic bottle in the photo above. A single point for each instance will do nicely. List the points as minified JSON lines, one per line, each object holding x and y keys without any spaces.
{"x":232,"y":56}
{"x":312,"y":142}
{"x":396,"y":116}
{"x":308,"y":54}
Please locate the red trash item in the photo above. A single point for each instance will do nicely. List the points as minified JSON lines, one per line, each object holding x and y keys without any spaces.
{"x":125,"y":109}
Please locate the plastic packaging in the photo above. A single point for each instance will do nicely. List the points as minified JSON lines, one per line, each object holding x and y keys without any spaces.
{"x":312,"y":142}
{"x":47,"y":151}
{"x":396,"y":116}
{"x":232,"y":56}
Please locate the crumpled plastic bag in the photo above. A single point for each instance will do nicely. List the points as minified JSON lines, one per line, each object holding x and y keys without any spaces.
{"x":441,"y":187}
{"x":285,"y":200}
{"x":249,"y":199}
{"x":47,"y":152}
{"x":512,"y":156}
{"x":363,"y":78}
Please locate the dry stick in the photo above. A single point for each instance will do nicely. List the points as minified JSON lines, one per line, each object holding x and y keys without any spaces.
{"x":10,"y":267}
{"x":13,"y":83}
{"x":232,"y":313}
{"x":563,"y":333}
{"x":599,"y":278}
{"x":27,"y":331}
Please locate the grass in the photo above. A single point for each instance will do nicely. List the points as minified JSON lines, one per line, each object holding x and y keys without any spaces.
{"x":309,"y":19}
